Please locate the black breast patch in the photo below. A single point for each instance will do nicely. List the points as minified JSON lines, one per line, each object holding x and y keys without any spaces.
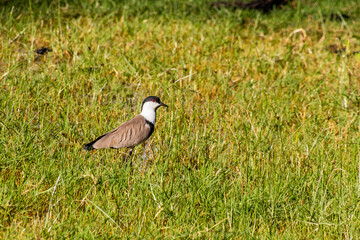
{"x":151,"y":127}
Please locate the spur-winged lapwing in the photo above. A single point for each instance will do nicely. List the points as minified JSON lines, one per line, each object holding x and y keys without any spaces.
{"x":133,"y":132}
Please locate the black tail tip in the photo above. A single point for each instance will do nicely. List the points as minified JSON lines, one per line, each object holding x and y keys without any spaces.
{"x":88,"y":147}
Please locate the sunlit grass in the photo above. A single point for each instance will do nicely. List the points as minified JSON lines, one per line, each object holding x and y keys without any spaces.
{"x":260,"y":140}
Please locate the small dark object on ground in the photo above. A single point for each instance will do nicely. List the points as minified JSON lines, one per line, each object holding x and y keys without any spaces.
{"x":339,"y":16}
{"x":43,"y":50}
{"x":338,"y":49}
{"x":262,"y":5}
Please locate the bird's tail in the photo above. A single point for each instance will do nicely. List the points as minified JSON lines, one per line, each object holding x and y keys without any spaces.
{"x":89,"y":146}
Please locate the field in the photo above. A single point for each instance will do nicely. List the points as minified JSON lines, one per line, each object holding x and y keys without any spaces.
{"x":260,"y":140}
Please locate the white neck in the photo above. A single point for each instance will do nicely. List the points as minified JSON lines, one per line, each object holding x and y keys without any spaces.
{"x":149,"y":114}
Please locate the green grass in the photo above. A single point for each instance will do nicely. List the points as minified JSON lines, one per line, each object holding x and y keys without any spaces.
{"x":261,"y":139}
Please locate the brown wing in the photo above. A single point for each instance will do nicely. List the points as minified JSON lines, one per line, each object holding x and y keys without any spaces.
{"x":129,"y":134}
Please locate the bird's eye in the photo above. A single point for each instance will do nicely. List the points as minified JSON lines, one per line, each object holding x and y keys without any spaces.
{"x":153,"y":100}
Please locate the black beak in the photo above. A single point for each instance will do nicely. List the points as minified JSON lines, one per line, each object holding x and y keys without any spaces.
{"x":163,"y":104}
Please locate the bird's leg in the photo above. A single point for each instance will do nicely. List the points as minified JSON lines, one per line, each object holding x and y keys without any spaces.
{"x":144,"y":159}
{"x":127,"y":158}
{"x":130,"y":153}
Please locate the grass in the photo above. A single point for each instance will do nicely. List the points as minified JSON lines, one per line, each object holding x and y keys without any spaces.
{"x":261,"y":139}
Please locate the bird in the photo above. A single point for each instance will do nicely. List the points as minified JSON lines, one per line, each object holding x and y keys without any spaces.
{"x":133,"y":132}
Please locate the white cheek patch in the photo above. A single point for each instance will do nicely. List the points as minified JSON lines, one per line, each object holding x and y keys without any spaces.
{"x":148,"y":111}
{"x":152,"y":105}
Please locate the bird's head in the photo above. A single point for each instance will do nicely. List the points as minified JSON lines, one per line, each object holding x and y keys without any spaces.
{"x":153,"y":103}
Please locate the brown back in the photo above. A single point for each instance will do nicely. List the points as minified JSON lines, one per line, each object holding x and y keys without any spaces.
{"x":129,"y":134}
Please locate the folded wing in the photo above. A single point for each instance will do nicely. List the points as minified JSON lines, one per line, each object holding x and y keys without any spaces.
{"x":129,"y":134}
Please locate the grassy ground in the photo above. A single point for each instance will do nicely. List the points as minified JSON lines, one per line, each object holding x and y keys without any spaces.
{"x":261,"y":139}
